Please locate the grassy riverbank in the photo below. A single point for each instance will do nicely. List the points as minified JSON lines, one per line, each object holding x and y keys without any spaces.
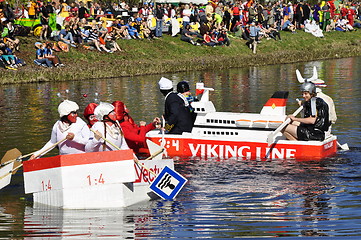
{"x":168,"y":54}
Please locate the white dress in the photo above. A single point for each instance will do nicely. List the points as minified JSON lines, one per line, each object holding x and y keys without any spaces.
{"x":113,"y":135}
{"x":60,"y":131}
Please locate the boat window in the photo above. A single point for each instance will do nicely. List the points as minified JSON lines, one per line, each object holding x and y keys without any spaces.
{"x":236,"y":133}
{"x":227,"y":133}
{"x":222,"y":133}
{"x":203,"y":109}
{"x":208,"y":121}
{"x":233,"y":122}
{"x":228,"y":121}
{"x":213,"y":133}
{"x":216,"y":121}
{"x":212,"y":121}
{"x":209,"y":132}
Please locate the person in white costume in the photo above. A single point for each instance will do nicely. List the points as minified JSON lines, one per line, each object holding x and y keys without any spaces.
{"x":69,"y":126}
{"x":108,"y":128}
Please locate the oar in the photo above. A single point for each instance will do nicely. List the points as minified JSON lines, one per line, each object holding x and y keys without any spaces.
{"x":343,"y":146}
{"x":17,"y":159}
{"x":271,"y":136}
{"x":6,"y":175}
{"x":163,"y":139}
{"x":14,"y":169}
{"x":10,"y":155}
{"x":135,"y":159}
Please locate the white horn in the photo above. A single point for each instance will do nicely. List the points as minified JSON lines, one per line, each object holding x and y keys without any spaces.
{"x":315,"y":75}
{"x":299,"y":76}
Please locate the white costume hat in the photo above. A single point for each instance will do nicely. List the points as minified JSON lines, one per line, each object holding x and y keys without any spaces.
{"x":102,"y":110}
{"x":165,"y":84}
{"x":66,"y":107}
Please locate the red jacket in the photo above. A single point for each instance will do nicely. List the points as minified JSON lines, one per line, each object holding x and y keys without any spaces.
{"x":135,"y":136}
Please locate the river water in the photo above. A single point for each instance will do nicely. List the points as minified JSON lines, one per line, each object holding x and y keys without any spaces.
{"x":224,"y":198}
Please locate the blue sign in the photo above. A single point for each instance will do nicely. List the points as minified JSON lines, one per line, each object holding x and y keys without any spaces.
{"x":168,"y":184}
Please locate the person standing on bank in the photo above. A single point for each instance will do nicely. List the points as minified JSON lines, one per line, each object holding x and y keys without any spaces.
{"x":71,"y":127}
{"x":108,"y":128}
{"x":177,"y":110}
{"x":316,"y":117}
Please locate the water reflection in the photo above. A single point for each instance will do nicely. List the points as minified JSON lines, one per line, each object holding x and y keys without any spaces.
{"x":224,"y":198}
{"x":81,"y":224}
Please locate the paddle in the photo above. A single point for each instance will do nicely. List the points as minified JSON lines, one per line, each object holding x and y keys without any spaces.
{"x":135,"y":159}
{"x":271,"y":136}
{"x":163,"y":139}
{"x":6,"y":171}
{"x":343,"y":146}
{"x":9,"y":156}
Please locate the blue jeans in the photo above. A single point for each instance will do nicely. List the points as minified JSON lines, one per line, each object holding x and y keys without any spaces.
{"x":68,"y":36}
{"x":158,"y":28}
{"x":42,"y":61}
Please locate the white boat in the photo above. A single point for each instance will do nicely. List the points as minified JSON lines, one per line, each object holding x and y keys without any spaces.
{"x":241,"y":135}
{"x":91,"y":180}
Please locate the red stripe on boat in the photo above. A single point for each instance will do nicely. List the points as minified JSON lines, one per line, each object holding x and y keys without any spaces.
{"x":278,"y":102}
{"x":77,"y":159}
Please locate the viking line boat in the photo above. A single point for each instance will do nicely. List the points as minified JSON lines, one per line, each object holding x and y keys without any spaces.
{"x":241,"y":135}
{"x":91,"y":180}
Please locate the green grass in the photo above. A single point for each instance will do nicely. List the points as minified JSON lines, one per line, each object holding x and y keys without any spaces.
{"x":170,"y":54}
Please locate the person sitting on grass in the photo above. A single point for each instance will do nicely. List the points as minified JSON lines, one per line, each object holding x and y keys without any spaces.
{"x":48,"y":53}
{"x":66,"y":36}
{"x":93,"y":40}
{"x":145,"y":31}
{"x":188,"y":36}
{"x":9,"y":34}
{"x":207,"y":40}
{"x":288,"y":26}
{"x":10,"y":60}
{"x":41,"y":60}
{"x":111,"y":44}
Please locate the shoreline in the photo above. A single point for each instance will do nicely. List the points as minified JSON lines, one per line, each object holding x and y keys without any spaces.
{"x":170,"y":54}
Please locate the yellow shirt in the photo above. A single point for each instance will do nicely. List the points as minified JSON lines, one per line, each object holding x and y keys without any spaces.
{"x":31,"y":10}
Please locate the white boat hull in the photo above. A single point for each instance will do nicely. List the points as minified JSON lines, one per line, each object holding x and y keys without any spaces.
{"x":91,"y":180}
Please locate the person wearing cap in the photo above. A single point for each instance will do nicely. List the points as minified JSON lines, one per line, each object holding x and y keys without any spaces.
{"x":89,"y":114}
{"x":316,"y":117}
{"x":134,"y":134}
{"x":177,"y":110}
{"x":69,"y":126}
{"x":106,"y":128}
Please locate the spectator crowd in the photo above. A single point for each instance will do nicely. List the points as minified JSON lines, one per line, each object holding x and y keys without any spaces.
{"x":98,"y":25}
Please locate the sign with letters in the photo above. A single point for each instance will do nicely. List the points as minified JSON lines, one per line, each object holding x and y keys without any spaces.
{"x":168,"y":183}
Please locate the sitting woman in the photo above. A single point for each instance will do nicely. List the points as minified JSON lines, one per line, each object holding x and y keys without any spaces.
{"x":89,"y":114}
{"x":134,"y":134}
{"x":145,"y":31}
{"x":207,"y":40}
{"x":7,"y":58}
{"x":70,"y":128}
{"x":9,"y":36}
{"x":48,"y":53}
{"x":106,"y":128}
{"x":41,"y":60}
{"x":111,"y":43}
{"x":121,"y":30}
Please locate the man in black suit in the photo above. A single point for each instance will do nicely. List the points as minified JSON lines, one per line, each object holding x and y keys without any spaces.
{"x":177,"y":110}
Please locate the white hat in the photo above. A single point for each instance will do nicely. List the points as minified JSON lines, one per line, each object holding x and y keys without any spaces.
{"x":165,"y":84}
{"x":102,"y":110}
{"x":66,"y":107}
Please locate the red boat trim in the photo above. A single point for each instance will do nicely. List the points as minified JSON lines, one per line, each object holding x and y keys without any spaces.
{"x":276,"y":102}
{"x":77,"y":159}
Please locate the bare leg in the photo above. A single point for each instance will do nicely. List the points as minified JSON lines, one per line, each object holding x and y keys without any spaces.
{"x":290,"y":132}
